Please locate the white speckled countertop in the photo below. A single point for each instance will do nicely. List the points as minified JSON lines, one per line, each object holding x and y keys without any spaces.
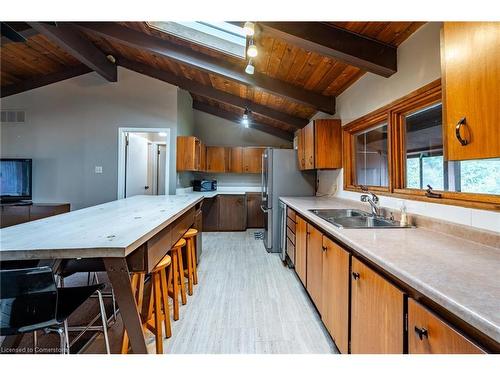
{"x":460,"y":275}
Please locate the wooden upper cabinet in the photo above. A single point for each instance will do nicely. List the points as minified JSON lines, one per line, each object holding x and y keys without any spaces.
{"x":376,"y":313}
{"x":315,"y":266}
{"x":236,"y":160}
{"x":301,"y":159}
{"x":428,"y":334}
{"x":301,"y":249}
{"x":188,"y":153}
{"x":335,"y":311}
{"x":217,"y":159}
{"x":309,"y":146}
{"x":252,"y":159}
{"x":470,"y":57}
{"x":319,"y":145}
{"x":203,"y":157}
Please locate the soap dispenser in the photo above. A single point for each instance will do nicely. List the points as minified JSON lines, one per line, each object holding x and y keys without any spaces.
{"x":404,"y":216}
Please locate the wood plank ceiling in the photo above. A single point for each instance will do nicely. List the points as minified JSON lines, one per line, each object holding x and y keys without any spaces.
{"x":279,"y":60}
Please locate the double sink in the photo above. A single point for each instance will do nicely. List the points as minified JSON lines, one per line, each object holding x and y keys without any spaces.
{"x":356,"y":219}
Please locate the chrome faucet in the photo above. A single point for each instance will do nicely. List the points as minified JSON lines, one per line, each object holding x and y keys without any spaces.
{"x":372,"y":199}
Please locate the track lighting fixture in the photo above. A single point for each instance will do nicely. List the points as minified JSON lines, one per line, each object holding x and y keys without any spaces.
{"x":250,"y":69}
{"x":245,"y":120}
{"x":249,"y":28}
{"x":252,"y":49}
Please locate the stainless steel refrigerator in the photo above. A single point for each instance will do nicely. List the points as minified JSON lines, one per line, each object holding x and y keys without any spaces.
{"x":281,"y":177}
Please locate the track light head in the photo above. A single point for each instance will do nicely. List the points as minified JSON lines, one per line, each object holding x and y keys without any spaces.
{"x":249,"y":28}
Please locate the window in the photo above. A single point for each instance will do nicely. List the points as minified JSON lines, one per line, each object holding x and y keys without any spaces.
{"x":371,"y":157}
{"x":398,"y":150}
{"x":221,"y":36}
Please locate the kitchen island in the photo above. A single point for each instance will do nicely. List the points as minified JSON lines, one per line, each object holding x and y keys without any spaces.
{"x":130,"y":234}
{"x":456,"y":277}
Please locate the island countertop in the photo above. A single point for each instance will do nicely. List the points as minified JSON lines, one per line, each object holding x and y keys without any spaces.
{"x":112,"y":229}
{"x":461,"y":276}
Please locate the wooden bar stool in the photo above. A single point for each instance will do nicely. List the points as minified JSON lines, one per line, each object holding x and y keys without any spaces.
{"x":191,"y":272}
{"x":175,"y":274}
{"x":158,"y":309}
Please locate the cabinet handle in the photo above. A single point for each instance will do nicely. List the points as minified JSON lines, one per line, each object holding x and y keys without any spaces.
{"x":461,"y":122}
{"x":355,"y":275}
{"x":421,"y":332}
{"x":324,"y":248}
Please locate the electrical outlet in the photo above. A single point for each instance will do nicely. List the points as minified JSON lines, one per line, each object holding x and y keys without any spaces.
{"x":98,"y":169}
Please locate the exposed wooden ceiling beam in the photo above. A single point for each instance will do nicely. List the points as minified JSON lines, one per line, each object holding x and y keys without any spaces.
{"x":74,"y":42}
{"x":23,"y":29}
{"x":44,"y":80}
{"x":332,"y":41}
{"x":210,"y":92}
{"x":219,"y":112}
{"x":209,"y":64}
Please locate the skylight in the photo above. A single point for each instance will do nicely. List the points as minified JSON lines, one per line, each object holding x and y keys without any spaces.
{"x":221,"y":36}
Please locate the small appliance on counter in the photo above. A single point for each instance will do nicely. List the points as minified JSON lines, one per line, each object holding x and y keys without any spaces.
{"x":205,"y":185}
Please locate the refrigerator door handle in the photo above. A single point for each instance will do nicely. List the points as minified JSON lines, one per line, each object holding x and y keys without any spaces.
{"x":262,"y":177}
{"x":263,"y":208}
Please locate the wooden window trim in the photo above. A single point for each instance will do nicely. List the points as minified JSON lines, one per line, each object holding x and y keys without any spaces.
{"x":393,"y":114}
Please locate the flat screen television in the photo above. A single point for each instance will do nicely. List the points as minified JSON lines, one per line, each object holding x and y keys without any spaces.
{"x":15,"y":180}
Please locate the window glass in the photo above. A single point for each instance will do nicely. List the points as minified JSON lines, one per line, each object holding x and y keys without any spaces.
{"x":425,"y":164}
{"x":371,"y":157}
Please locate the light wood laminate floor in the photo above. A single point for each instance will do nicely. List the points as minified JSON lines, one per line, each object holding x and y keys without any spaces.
{"x":246,"y":302}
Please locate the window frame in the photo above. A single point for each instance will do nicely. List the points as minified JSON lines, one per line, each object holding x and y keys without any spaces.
{"x":394,"y":114}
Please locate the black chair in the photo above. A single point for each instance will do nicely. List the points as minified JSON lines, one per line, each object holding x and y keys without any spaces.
{"x":31,"y":301}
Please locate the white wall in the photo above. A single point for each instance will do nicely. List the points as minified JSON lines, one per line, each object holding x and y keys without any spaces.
{"x":418,"y":64}
{"x":72,"y":126}
{"x":216,"y":131}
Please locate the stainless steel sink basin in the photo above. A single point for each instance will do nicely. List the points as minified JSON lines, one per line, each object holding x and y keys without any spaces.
{"x":356,"y":219}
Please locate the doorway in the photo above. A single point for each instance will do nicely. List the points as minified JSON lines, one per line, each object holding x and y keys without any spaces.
{"x":142,"y":161}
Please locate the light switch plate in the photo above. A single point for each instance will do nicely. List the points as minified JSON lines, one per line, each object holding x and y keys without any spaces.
{"x":98,"y":169}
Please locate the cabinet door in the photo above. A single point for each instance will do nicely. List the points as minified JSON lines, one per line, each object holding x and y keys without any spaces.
{"x":187,"y":153}
{"x":327,"y":144}
{"x":236,"y":160}
{"x":13,"y":215}
{"x":301,"y":249}
{"x":232,"y":212}
{"x":203,"y":157}
{"x":309,"y":146}
{"x":255,"y":216}
{"x":335,"y":313}
{"x":376,"y":313}
{"x":471,"y":89}
{"x":210,"y":210}
{"x":252,"y":159}
{"x":315,"y":265}
{"x":216,"y":159}
{"x":428,"y":334}
{"x":300,"y":149}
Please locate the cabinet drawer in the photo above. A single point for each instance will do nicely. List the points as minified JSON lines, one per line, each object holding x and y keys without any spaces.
{"x":291,"y":214}
{"x":290,"y":235}
{"x":428,"y":334}
{"x":290,"y":224}
{"x":290,"y":250}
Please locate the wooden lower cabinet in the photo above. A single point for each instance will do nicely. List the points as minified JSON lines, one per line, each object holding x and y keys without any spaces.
{"x":255,"y":215}
{"x":335,"y":311}
{"x":232,"y":212}
{"x":315,"y":265}
{"x":428,"y":334}
{"x":376,"y":313}
{"x":301,"y":249}
{"x":210,"y":211}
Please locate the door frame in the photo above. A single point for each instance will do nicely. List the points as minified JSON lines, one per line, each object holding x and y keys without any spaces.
{"x":121,"y":154}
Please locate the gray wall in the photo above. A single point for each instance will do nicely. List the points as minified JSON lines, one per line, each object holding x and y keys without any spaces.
{"x":185,"y":126}
{"x":216,"y":131}
{"x":72,"y":126}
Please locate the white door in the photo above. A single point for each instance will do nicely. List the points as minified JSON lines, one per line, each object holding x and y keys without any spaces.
{"x":136,"y":166}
